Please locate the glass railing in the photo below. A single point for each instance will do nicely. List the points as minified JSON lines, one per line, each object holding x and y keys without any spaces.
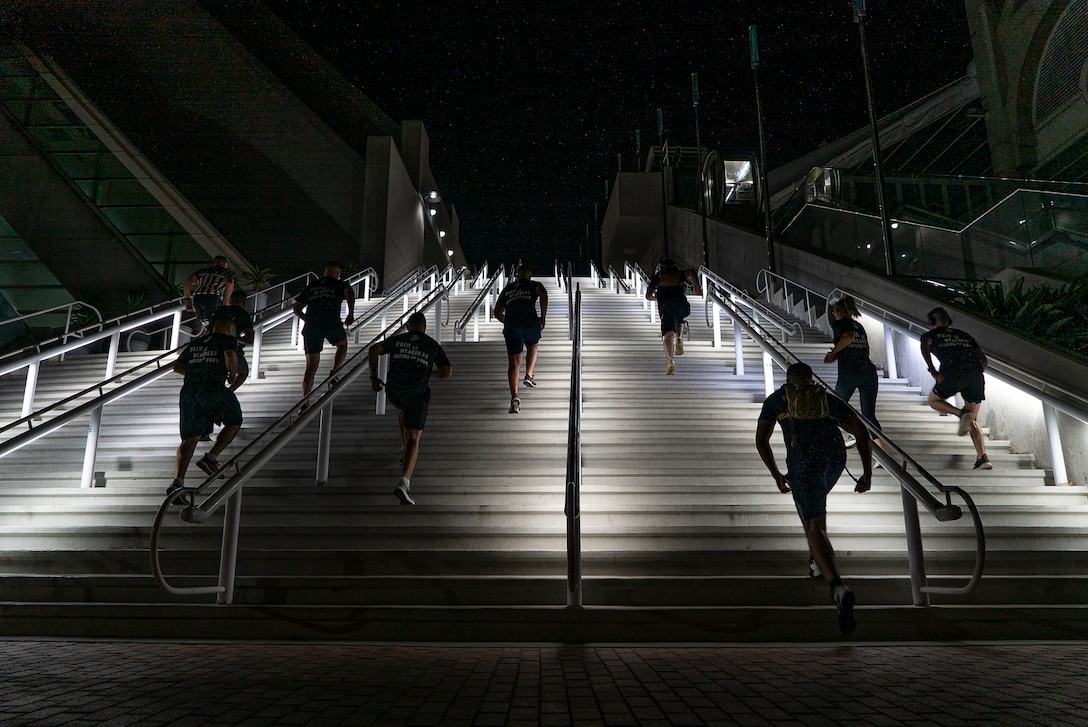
{"x":943,"y":227}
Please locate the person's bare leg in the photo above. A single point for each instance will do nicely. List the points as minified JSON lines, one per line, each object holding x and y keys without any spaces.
{"x":977,"y":437}
{"x":819,"y":545}
{"x":668,"y":342}
{"x":340,"y":356}
{"x":530,"y":360}
{"x":184,"y":455}
{"x":512,"y":369}
{"x":313,"y":360}
{"x":226,"y":436}
{"x":939,"y":404}
{"x":411,"y":451}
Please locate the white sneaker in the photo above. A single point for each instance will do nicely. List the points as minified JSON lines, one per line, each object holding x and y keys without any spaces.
{"x":515,"y":406}
{"x":850,"y":441}
{"x":403,"y":493}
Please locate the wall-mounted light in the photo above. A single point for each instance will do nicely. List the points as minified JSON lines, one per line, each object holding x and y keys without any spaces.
{"x":441,"y":233}
{"x":895,"y":225}
{"x":433,"y":212}
{"x":433,"y":196}
{"x":449,"y":253}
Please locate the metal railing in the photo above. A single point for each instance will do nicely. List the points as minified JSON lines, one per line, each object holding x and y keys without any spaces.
{"x":481,"y":306}
{"x":69,"y":309}
{"x":789,"y":288}
{"x":572,"y":507}
{"x":616,"y":282}
{"x":913,"y":491}
{"x":757,"y":309}
{"x":252,"y":458}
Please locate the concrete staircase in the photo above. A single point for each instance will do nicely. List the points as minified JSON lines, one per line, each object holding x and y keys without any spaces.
{"x":684,"y":535}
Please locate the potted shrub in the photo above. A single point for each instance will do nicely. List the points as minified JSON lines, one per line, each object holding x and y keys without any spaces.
{"x":257,"y":278}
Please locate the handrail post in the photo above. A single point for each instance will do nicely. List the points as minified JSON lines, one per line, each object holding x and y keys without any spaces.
{"x":111,"y":358}
{"x":738,"y":347}
{"x":228,"y":561}
{"x":768,"y":373}
{"x":379,"y":398}
{"x":324,"y":444}
{"x":175,"y":331}
{"x":716,"y":325}
{"x":915,"y":556}
{"x":90,"y":454}
{"x":255,"y":366}
{"x":574,"y":546}
{"x":30,"y":388}
{"x":890,"y":368}
{"x":438,"y":320}
{"x":1054,"y":438}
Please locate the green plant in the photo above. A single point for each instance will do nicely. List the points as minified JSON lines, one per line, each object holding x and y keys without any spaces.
{"x":256,"y":277}
{"x":135,"y":299}
{"x":1056,"y":315}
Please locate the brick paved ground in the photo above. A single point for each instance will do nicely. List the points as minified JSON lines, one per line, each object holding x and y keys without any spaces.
{"x":156,"y":683}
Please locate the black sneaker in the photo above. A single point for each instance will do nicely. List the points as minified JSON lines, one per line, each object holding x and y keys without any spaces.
{"x":208,"y":465}
{"x":983,"y":463}
{"x":844,"y":607}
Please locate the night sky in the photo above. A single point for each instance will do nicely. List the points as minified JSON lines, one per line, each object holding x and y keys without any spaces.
{"x":528,"y":104}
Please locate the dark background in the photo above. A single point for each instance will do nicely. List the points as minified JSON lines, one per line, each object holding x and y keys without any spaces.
{"x":528,"y":104}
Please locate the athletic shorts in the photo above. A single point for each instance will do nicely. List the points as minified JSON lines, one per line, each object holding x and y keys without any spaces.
{"x":314,"y":335}
{"x":971,"y":386}
{"x":811,"y":479}
{"x":205,"y":306}
{"x":520,"y":337}
{"x":412,"y":404}
{"x":204,"y":405}
{"x":673,"y":313}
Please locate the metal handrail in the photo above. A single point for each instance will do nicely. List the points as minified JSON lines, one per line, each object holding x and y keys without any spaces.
{"x":485,"y":292}
{"x":228,"y":493}
{"x":572,"y":507}
{"x":917,"y":492}
{"x":618,"y":280}
{"x":66,"y":306}
{"x":786,"y":327}
{"x":763,"y":285}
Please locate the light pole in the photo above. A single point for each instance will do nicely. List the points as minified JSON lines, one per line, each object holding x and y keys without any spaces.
{"x":700,"y":182}
{"x":860,"y":13}
{"x":766,"y":192}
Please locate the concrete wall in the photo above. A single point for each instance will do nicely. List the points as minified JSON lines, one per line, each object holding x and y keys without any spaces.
{"x":394,"y":213}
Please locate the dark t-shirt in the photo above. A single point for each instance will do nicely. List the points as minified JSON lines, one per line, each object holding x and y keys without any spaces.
{"x":212,"y":281}
{"x":813,"y":435}
{"x":854,"y":357}
{"x":242,"y":322}
{"x":520,"y":299}
{"x":322,"y":300}
{"x":668,"y":292}
{"x":956,"y":350}
{"x":203,"y":359}
{"x":412,"y":356}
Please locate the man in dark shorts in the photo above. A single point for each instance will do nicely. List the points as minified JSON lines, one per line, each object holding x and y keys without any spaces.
{"x":243,"y":329}
{"x":321,"y":301}
{"x":962,"y":363}
{"x":522,"y":327}
{"x":667,"y":288}
{"x":206,"y":364}
{"x":815,"y":458}
{"x":412,"y":355}
{"x":208,"y":289}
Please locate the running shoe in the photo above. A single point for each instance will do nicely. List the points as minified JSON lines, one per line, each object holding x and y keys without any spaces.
{"x":403,"y":493}
{"x":530,"y":381}
{"x":966,"y":419}
{"x":813,"y":569}
{"x":670,"y":369}
{"x":679,"y":347}
{"x":209,"y":465}
{"x":844,"y":608}
{"x":515,"y":406}
{"x":983,"y":463}
{"x":850,"y":441}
